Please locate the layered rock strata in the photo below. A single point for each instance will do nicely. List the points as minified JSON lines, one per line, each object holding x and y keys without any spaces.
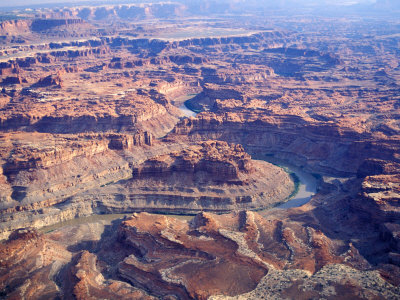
{"x":319,"y":148}
{"x":126,"y":173}
{"x":320,"y":93}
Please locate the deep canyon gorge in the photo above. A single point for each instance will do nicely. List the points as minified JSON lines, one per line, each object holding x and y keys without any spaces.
{"x":143,"y":149}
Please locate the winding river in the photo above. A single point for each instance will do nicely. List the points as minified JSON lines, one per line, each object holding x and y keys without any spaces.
{"x":307,"y":183}
{"x":182,"y":106}
{"x":307,"y":187}
{"x":187,"y":111}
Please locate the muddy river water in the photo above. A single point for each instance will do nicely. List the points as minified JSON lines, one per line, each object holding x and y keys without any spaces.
{"x":307,"y":185}
{"x":306,"y":188}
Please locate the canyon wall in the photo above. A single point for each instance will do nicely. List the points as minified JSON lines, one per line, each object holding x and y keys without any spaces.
{"x":320,"y":149}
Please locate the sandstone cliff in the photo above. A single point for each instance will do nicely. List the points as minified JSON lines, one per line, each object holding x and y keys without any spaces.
{"x":129,"y":173}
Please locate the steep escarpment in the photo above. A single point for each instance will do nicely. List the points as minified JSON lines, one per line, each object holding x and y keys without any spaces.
{"x":89,"y":51}
{"x":125,"y":173}
{"x":48,"y":170}
{"x":377,"y":202}
{"x":8,"y":68}
{"x":26,"y":26}
{"x":128,"y":114}
{"x":46,"y":24}
{"x":325,"y":148}
{"x":15,"y":27}
{"x":57,"y":149}
{"x":57,"y":267}
{"x":89,"y":282}
{"x":211,"y":176}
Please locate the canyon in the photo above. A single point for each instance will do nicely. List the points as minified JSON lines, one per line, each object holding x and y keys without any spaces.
{"x":91,"y":126}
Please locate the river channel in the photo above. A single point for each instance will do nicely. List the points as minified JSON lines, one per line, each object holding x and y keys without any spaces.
{"x":306,"y":183}
{"x":306,"y":187}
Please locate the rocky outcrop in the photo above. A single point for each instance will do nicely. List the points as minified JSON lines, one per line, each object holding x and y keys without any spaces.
{"x":14,"y":66}
{"x":199,"y":252}
{"x":8,"y":68}
{"x":379,"y":197}
{"x":187,"y":59}
{"x":58,"y":150}
{"x":4,"y":100}
{"x":121,"y":141}
{"x":49,"y":81}
{"x":180,"y":257}
{"x":263,"y":38}
{"x":40,"y":178}
{"x":221,"y":162}
{"x":146,"y":112}
{"x":373,"y":166}
{"x":234,"y":76}
{"x":328,"y":58}
{"x":35,"y":25}
{"x":56,"y":266}
{"x":91,"y":284}
{"x":206,"y":100}
{"x":100,"y":143}
{"x":35,"y":261}
{"x":15,"y":27}
{"x":211,"y":176}
{"x":152,"y":256}
{"x":80,"y":53}
{"x":129,"y":11}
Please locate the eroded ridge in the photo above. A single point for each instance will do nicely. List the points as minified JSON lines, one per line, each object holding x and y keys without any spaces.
{"x":241,"y":255}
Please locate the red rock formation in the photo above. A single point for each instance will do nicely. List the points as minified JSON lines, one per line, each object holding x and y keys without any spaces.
{"x":294,"y":138}
{"x":80,"y":53}
{"x":326,"y":102}
{"x":210,"y":176}
{"x":210,"y":255}
{"x":90,"y":283}
{"x":28,"y":265}
{"x":380,"y":195}
{"x":48,"y":81}
{"x":14,"y":27}
{"x":222,"y":162}
{"x":121,"y":141}
{"x":46,"y":24}
{"x":182,"y":258}
{"x":8,"y":68}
